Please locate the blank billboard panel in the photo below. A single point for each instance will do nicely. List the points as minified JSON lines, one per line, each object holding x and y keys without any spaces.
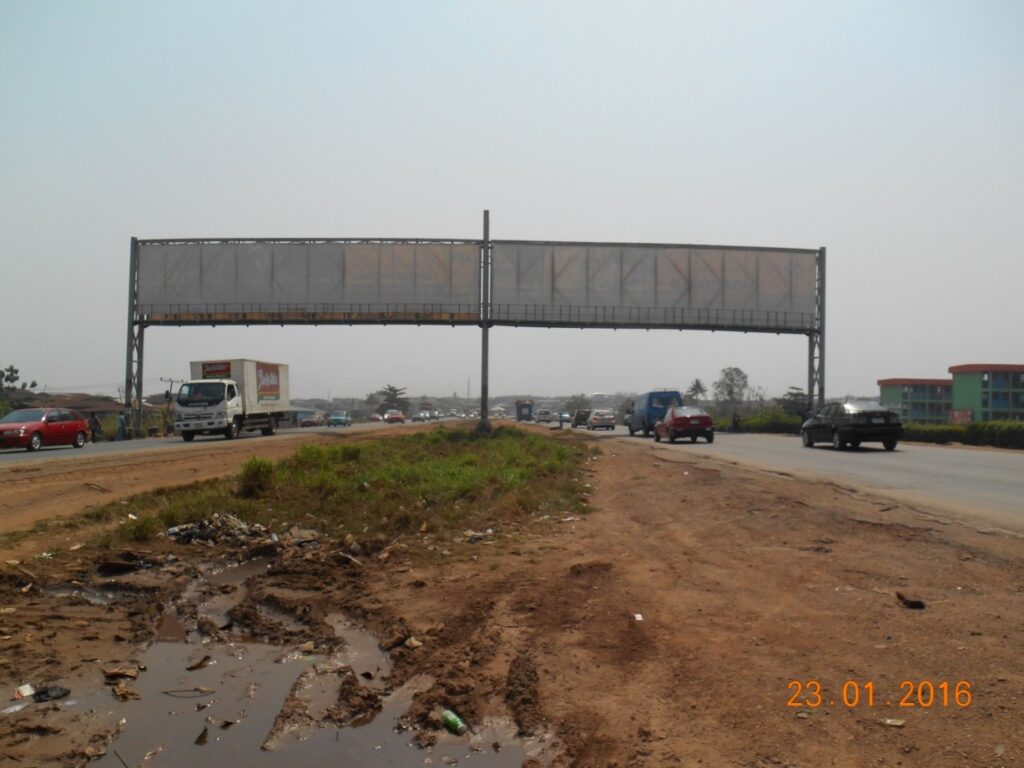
{"x":267,"y":279}
{"x":614,"y":285}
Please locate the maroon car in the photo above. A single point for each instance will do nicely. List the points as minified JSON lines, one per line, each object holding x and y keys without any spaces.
{"x":685,"y":421}
{"x":32,"y":428}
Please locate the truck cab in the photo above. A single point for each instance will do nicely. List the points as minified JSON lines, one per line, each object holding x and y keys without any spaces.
{"x":208,"y":407}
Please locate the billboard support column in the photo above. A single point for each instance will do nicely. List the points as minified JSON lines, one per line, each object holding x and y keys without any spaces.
{"x":816,"y":342}
{"x":133,"y":354}
{"x":485,"y":321}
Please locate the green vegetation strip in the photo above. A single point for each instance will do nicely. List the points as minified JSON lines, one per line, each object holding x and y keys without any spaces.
{"x":444,"y":479}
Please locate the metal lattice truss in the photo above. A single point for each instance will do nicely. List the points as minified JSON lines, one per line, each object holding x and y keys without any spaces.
{"x":291,"y":281}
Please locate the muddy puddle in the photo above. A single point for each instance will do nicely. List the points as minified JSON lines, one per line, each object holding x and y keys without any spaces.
{"x":253,"y":704}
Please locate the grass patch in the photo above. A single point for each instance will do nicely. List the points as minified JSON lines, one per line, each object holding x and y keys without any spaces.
{"x":444,"y":479}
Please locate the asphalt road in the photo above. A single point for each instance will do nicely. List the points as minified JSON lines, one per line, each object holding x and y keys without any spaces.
{"x":972,"y":484}
{"x":10,"y":456}
{"x":977,"y":485}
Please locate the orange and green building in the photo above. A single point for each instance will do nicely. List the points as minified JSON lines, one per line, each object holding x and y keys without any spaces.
{"x":975,"y":392}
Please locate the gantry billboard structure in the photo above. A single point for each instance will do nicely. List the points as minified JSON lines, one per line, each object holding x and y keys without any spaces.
{"x":480,"y":282}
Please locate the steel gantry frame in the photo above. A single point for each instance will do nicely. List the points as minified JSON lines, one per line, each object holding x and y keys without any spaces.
{"x":482,"y":310}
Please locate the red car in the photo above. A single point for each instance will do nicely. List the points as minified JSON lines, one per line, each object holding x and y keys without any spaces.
{"x":32,"y":428}
{"x":684,"y":421}
{"x":394,"y":417}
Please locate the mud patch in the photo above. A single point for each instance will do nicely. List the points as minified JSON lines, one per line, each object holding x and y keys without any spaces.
{"x":521,"y":694}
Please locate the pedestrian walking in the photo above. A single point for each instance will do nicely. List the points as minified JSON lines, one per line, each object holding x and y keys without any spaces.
{"x":95,"y":428}
{"x":121,"y":432}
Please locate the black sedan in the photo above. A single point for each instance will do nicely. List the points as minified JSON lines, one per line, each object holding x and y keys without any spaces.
{"x":851,"y":424}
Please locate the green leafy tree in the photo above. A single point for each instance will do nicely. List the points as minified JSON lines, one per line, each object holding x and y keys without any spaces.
{"x":794,"y":402}
{"x":697,"y":390}
{"x":392,"y":398}
{"x":731,"y":387}
{"x":575,"y":403}
{"x":10,"y":377}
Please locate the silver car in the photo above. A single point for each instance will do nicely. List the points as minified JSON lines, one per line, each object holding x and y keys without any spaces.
{"x":601,"y":419}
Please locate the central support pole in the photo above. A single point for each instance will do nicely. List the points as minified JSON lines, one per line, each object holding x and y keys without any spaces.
{"x":484,"y":425}
{"x":816,"y":343}
{"x":133,"y":356}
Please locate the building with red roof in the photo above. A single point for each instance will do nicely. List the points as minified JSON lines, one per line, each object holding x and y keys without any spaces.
{"x":975,"y":392}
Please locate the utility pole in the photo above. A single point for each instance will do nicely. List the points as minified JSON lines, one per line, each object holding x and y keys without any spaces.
{"x":168,"y":397}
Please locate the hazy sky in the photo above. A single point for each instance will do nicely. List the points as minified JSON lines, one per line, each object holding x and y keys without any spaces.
{"x":890,"y":133}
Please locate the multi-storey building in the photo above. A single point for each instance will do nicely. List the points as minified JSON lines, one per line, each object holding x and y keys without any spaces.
{"x":990,"y":391}
{"x":976,"y":392}
{"x":922,"y":400}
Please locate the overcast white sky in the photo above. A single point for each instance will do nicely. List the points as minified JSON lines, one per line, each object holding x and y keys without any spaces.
{"x":890,"y":133}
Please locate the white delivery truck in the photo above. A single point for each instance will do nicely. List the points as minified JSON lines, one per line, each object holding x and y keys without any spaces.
{"x":224,"y":397}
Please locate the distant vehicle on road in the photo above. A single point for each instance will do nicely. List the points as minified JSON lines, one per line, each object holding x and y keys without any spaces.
{"x":32,"y":428}
{"x":394,"y":417}
{"x":853,"y":423}
{"x":375,"y":417}
{"x":543,"y":415}
{"x":648,"y":408}
{"x":339,"y":419}
{"x":685,"y":421}
{"x":601,"y":419}
{"x":312,"y":420}
{"x":579,"y":418}
{"x":421,"y":416}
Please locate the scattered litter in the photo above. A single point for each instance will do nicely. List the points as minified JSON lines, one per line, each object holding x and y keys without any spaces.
{"x":150,"y":754}
{"x":132,"y":516}
{"x":50,"y":693}
{"x":14,"y":708}
{"x":453,"y":722}
{"x":44,"y":556}
{"x":118,"y":673}
{"x":412,"y":642}
{"x":197,"y":692}
{"x":892,"y":722}
{"x":202,"y":737}
{"x":475,"y":537}
{"x":97,"y":487}
{"x":804,"y":714}
{"x":95,"y":750}
{"x":220,"y":528}
{"x":125,"y":692}
{"x":75,"y":547}
{"x":638,"y":617}
{"x":301,"y":536}
{"x":24,"y":691}
{"x":26,"y":572}
{"x":199,"y":664}
{"x":225,"y":724}
{"x":914,"y":605}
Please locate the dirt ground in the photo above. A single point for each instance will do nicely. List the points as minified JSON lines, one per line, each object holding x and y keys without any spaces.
{"x":687,"y":620}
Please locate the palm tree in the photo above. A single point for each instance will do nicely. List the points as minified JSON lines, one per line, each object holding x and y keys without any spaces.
{"x":697,"y":389}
